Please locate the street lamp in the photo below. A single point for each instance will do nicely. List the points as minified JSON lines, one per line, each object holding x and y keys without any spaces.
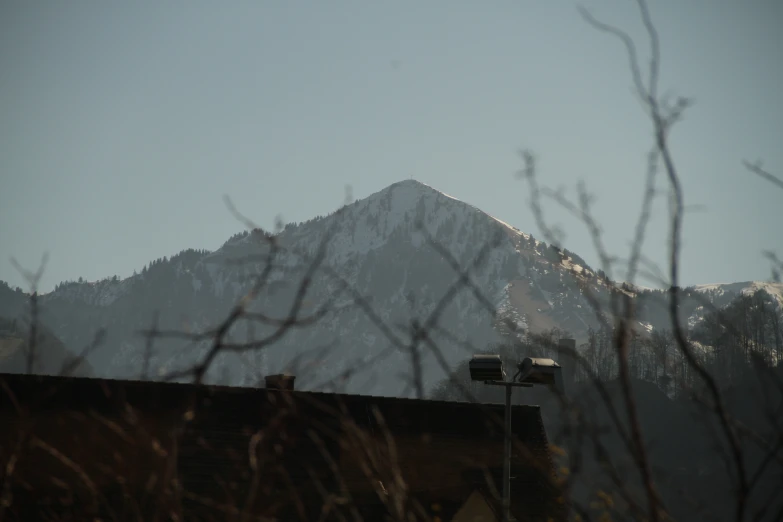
{"x":531,"y":371}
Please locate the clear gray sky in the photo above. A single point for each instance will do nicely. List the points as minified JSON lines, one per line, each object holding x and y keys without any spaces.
{"x":122,"y":124}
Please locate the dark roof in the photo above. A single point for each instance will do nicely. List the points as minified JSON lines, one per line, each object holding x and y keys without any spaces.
{"x":442,"y":450}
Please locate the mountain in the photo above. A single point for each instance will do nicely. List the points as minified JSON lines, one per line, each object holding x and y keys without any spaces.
{"x":376,"y":247}
{"x":51,"y":357}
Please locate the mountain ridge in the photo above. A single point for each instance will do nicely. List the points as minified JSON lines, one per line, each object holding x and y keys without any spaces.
{"x":376,"y":246}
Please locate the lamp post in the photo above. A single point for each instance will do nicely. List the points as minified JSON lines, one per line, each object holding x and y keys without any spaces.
{"x":489,"y":369}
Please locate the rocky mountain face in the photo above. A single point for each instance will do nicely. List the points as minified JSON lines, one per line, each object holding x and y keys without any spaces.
{"x":376,"y":248}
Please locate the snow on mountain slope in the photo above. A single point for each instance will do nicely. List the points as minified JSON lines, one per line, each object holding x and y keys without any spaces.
{"x":375,"y":246}
{"x":732,"y":290}
{"x":393,"y":215}
{"x":722,"y":294}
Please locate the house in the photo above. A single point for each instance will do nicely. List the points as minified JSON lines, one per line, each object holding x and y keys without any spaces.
{"x":132,"y":450}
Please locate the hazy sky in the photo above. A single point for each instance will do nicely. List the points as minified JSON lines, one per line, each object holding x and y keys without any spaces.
{"x":123,"y":124}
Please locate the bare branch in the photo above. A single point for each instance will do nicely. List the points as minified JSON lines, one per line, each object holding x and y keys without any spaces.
{"x":758,"y":169}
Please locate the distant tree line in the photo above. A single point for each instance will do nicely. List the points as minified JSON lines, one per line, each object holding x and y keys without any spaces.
{"x":729,"y":342}
{"x":186,"y":258}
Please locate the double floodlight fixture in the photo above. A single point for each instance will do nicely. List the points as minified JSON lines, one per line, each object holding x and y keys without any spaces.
{"x":532,"y":370}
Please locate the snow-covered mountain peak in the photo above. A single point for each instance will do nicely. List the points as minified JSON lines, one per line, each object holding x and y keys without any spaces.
{"x":415,"y":202}
{"x":403,"y":197}
{"x":393,"y":214}
{"x":366,"y":224}
{"x":411,"y":185}
{"x":775,"y":290}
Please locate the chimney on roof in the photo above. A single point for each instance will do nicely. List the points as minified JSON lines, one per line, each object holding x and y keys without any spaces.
{"x":567,"y":350}
{"x":280,"y":381}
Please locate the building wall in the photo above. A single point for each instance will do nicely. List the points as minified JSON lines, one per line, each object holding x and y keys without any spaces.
{"x":85,"y":461}
{"x":427,"y":462}
{"x":245,"y":448}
